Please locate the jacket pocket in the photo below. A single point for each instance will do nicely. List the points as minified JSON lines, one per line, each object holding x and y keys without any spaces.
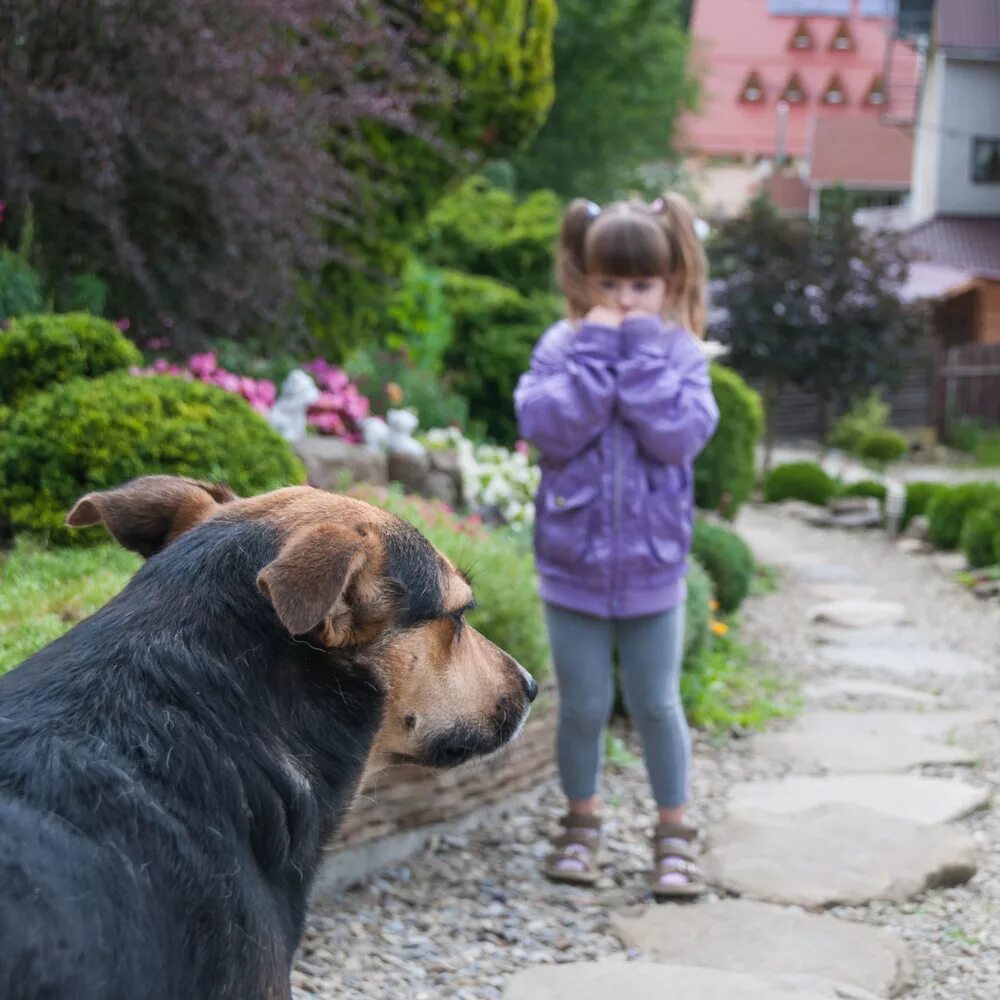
{"x":565,"y":520}
{"x":669,"y":515}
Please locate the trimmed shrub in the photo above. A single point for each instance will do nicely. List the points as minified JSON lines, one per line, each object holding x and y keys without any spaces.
{"x":981,"y":536}
{"x":865,"y":415}
{"x":728,"y":561}
{"x":697,"y":611}
{"x":510,"y":612}
{"x":724,"y":472}
{"x":38,"y":351}
{"x":93,"y":434}
{"x":799,"y":481}
{"x":883,"y":446}
{"x":951,"y":506}
{"x":864,"y":488}
{"x":918,"y":498}
{"x":20,"y":286}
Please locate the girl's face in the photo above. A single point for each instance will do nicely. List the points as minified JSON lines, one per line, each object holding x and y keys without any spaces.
{"x":631,"y":295}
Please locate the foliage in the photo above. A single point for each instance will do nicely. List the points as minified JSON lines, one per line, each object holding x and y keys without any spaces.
{"x":724,"y":472}
{"x":919,"y":496}
{"x":951,"y":506}
{"x":190,"y":147}
{"x":728,"y":561}
{"x":882,"y":447}
{"x":391,"y":379}
{"x":810,"y":305}
{"x":39,"y":351}
{"x":82,"y":293}
{"x":485,"y":230}
{"x":493,"y":67}
{"x":20,"y":286}
{"x":91,"y":434}
{"x":977,"y":438}
{"x":419,"y":326}
{"x":697,"y":610}
{"x":503,"y":576}
{"x":259,"y":393}
{"x":868,"y":414}
{"x":621,"y":82}
{"x":44,"y":592}
{"x":980,"y":538}
{"x":864,"y":488}
{"x":496,"y":328}
{"x":799,"y":481}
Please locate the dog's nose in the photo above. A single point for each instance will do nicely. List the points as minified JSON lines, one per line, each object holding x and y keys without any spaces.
{"x":530,"y":686}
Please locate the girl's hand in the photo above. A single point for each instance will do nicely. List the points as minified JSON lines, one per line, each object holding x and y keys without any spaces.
{"x":604,"y":316}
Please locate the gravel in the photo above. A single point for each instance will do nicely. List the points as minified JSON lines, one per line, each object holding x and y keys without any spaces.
{"x":466,"y":912}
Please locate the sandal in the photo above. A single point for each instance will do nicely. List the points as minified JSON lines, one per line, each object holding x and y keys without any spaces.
{"x":675,"y":874}
{"x":573,"y":858}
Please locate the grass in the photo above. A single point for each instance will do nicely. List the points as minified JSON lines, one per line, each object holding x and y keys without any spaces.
{"x":44,"y":592}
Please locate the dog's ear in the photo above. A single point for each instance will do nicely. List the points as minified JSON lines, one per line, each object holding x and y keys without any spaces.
{"x":307,"y":582}
{"x":148,"y":513}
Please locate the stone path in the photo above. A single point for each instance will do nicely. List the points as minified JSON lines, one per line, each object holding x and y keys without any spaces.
{"x":854,"y":852}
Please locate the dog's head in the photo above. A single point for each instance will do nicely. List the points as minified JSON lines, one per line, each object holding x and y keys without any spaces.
{"x":350,"y":578}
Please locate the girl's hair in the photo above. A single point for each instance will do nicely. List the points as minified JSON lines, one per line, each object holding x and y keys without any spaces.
{"x":631,"y":239}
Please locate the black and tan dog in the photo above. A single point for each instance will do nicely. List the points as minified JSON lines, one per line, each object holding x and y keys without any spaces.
{"x":171,"y":768}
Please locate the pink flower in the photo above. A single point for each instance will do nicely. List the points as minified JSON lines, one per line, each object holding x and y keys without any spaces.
{"x":204,"y":364}
{"x":123,"y":323}
{"x":521,"y":447}
{"x":161,"y":365}
{"x":2,"y":208}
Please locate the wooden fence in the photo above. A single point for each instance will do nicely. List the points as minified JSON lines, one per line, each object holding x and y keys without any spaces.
{"x":967,"y":385}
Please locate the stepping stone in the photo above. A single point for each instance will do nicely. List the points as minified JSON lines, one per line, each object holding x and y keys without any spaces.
{"x":858,"y":613}
{"x":843,"y":591}
{"x":906,"y":662}
{"x":834,"y":855}
{"x":922,"y":800}
{"x":739,"y":935}
{"x":854,"y":742}
{"x":860,"y":687}
{"x":894,"y":636}
{"x":656,"y":981}
{"x":813,"y":571}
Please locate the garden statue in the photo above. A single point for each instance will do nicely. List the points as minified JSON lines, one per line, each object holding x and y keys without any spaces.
{"x":288,"y":415}
{"x":402,"y":424}
{"x":375,"y":433}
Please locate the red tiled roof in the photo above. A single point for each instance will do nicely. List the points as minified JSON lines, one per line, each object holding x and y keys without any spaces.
{"x":732,"y":38}
{"x":968,"y":24}
{"x":860,"y":150}
{"x":789,"y":192}
{"x":969,"y":244}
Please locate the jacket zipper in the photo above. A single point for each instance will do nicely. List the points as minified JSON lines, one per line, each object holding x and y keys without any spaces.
{"x":616,"y":516}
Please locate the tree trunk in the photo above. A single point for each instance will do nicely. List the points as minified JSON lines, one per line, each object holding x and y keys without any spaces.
{"x":771,"y":390}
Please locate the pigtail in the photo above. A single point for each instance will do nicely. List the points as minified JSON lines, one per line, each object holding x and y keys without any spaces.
{"x":571,"y":265}
{"x":689,"y":265}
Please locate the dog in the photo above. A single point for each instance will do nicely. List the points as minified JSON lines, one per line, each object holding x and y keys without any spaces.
{"x":172,"y":767}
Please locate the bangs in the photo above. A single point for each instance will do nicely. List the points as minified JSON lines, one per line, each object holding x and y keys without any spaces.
{"x":627,"y":244}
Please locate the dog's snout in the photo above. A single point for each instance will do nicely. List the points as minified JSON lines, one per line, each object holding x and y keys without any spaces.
{"x":529,"y":684}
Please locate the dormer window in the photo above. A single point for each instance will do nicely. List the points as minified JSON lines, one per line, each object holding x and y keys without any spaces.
{"x":753,"y":89}
{"x":835,"y":94}
{"x":794,"y":92}
{"x":875,"y":97}
{"x":801,"y":39}
{"x":843,"y":40}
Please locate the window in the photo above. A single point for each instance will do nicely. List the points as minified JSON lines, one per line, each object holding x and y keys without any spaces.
{"x":986,"y":161}
{"x":835,"y":94}
{"x":794,"y":93}
{"x":843,"y":40}
{"x":801,"y":40}
{"x":753,"y":89}
{"x":875,"y":97}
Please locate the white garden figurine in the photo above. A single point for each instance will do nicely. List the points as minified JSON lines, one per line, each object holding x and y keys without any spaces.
{"x":375,"y":433}
{"x":288,"y":415}
{"x":402,"y":424}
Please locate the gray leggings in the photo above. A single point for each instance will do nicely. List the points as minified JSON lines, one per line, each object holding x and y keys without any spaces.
{"x":650,"y":653}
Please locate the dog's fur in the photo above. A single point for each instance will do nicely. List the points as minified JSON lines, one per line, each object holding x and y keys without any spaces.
{"x":171,"y":768}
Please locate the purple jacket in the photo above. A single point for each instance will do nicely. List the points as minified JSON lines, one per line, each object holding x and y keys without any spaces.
{"x":619,"y":416}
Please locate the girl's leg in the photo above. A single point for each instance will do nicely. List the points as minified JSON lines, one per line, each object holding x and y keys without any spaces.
{"x":650,"y":653}
{"x":581,"y":653}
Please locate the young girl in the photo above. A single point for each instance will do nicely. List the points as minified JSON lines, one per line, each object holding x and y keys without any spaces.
{"x":618,"y":401}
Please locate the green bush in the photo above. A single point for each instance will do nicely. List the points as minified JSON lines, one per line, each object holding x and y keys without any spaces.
{"x":82,"y":293}
{"x":92,"y":434}
{"x":20,"y":286}
{"x":728,"y":561}
{"x":39,"y":351}
{"x":882,"y":447}
{"x":496,"y":328}
{"x":502,"y":569}
{"x":864,"y":488}
{"x":918,"y":498}
{"x":951,"y":506}
{"x":418,"y":322}
{"x":981,"y":536}
{"x":724,"y":472}
{"x":698,"y":610}
{"x":865,"y":416}
{"x":799,"y":481}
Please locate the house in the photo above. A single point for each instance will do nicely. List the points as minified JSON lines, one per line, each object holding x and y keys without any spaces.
{"x":787,"y":83}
